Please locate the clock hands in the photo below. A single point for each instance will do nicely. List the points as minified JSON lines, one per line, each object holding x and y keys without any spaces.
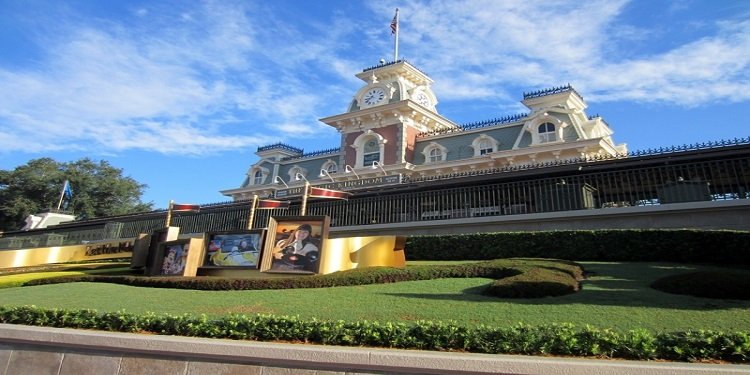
{"x":373,"y":96}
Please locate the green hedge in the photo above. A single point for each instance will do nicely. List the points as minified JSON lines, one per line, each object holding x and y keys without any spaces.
{"x":707,"y":284}
{"x":556,"y":339}
{"x":535,"y":283}
{"x":684,"y":246}
{"x":545,"y":271}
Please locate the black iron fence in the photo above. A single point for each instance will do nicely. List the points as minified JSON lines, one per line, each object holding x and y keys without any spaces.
{"x":714,"y":172}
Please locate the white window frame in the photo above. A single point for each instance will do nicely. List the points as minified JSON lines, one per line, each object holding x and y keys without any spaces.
{"x":430,"y":148}
{"x":330,"y":166}
{"x":359,"y":147}
{"x":477,"y":144}
{"x":253,"y":175}
{"x":546,"y":135}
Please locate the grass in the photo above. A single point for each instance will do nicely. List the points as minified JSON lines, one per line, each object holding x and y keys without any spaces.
{"x":17,"y":278}
{"x":616,"y":295}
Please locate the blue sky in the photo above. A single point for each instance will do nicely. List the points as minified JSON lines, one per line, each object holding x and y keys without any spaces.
{"x":179,"y":94}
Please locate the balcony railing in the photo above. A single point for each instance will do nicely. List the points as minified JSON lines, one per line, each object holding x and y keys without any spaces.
{"x":711,"y":171}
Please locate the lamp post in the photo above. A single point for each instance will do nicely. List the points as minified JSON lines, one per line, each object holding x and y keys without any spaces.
{"x":348,"y":169}
{"x":376,"y":164}
{"x":324,"y":173}
{"x":298,"y":176}
{"x":253,"y":205}
{"x":278,"y":179}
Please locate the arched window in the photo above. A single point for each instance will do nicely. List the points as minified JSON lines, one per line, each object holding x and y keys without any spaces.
{"x":330,"y":167}
{"x":370,"y":147}
{"x":485,"y":147}
{"x":293,"y":173}
{"x":547,"y":132}
{"x":257,"y":175}
{"x":436,"y":155}
{"x":371,"y":152}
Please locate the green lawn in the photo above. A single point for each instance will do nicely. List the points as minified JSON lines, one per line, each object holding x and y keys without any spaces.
{"x":616,"y":296}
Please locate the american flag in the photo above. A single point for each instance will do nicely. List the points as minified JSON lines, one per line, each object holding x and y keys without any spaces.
{"x":394,"y":23}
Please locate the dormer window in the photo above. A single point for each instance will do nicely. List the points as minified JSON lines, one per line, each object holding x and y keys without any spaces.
{"x":547,"y":132}
{"x":257,"y":175}
{"x":483,"y":145}
{"x":294,"y":171}
{"x":434,"y":153}
{"x":330,"y":167}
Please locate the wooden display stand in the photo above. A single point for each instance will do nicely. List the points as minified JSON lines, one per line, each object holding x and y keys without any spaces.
{"x":146,"y":246}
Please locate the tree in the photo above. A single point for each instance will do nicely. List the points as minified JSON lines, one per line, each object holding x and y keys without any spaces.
{"x":99,"y":190}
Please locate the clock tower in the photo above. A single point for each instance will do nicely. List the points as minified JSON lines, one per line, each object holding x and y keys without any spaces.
{"x":386,"y":114}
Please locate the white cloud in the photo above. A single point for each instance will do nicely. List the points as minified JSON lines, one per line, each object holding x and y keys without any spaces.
{"x":166,"y":86}
{"x":701,"y":72}
{"x":478,"y":50}
{"x":170,"y":137}
{"x":181,"y":79}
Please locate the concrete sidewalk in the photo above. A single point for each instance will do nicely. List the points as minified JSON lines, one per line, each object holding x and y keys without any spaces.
{"x":57,"y":351}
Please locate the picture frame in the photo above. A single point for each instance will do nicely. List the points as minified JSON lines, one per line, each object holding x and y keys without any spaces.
{"x":288,"y":249}
{"x":150,"y":245}
{"x":174,"y":256}
{"x":238,"y":248}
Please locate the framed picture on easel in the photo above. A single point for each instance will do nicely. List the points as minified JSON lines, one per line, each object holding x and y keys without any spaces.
{"x":234,"y":248}
{"x":178,"y":258}
{"x":294,"y":244}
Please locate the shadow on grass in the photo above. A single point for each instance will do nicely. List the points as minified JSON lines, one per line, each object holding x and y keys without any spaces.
{"x":610,"y":284}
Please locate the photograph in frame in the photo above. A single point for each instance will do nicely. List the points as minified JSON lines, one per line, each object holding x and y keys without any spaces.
{"x":234,"y":248}
{"x":175,"y":257}
{"x":294,"y":244}
{"x":154,"y":255}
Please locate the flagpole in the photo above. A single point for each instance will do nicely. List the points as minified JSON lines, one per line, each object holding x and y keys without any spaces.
{"x":62,"y":194}
{"x":395,"y":52}
{"x":304,"y":199}
{"x":252,"y":211}
{"x":169,"y":213}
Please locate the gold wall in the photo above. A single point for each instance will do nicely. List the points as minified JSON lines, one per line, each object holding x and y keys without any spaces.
{"x":341,"y":254}
{"x":62,"y":254}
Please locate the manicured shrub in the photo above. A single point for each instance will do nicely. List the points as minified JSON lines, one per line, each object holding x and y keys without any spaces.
{"x":688,"y":246}
{"x":556,"y":272}
{"x":534,"y":283}
{"x":707,"y":284}
{"x":553,"y":339}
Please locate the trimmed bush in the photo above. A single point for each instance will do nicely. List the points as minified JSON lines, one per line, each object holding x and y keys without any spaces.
{"x":534,"y":283}
{"x":554,"y":339}
{"x":721,"y":285}
{"x":682,"y":246}
{"x":555,"y":272}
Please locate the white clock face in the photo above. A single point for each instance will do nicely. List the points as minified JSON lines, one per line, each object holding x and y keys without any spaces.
{"x":422,"y":99}
{"x":374,"y":96}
